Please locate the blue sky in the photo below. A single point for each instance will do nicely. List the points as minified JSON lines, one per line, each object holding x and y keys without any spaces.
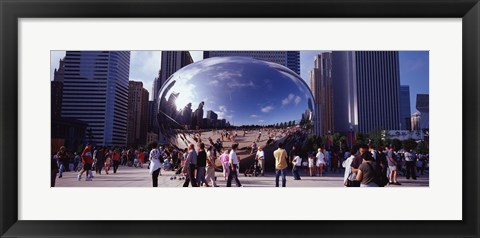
{"x":414,"y":68}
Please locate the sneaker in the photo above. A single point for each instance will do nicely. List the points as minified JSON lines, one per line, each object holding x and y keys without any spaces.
{"x":79,"y":177}
{"x":397,"y":183}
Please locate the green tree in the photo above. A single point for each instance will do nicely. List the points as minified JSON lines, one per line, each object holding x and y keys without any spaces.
{"x":422,"y":147}
{"x":397,"y":144}
{"x":361,"y":138}
{"x":409,"y":144}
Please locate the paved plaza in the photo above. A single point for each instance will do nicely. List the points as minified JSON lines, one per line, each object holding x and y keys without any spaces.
{"x":140,"y":177}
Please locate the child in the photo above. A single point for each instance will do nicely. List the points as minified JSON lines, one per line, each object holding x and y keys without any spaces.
{"x":311,"y":165}
{"x":108,"y":163}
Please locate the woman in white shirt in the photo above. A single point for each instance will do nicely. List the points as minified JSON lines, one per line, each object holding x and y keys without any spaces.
{"x":320,"y":162}
{"x":155,"y":165}
{"x":348,"y":169}
{"x":297,"y":164}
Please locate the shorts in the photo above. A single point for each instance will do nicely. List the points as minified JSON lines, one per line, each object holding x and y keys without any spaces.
{"x":87,"y":166}
{"x":392,"y":167}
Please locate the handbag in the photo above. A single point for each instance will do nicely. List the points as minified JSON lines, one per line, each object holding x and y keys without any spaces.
{"x":351,"y":181}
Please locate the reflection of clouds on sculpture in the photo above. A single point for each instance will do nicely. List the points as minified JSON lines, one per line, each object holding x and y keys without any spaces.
{"x":237,"y":90}
{"x":291,"y":98}
{"x":267,"y":109}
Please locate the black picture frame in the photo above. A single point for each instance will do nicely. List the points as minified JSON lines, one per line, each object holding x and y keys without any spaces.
{"x":11,"y":11}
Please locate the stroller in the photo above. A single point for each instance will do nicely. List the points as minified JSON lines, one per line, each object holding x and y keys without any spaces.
{"x":178,"y":174}
{"x":254,"y":170}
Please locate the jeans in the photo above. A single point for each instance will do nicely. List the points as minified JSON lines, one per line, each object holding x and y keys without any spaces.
{"x":155,"y":177}
{"x":115,"y":166}
{"x":283,"y":172}
{"x":261,"y":165}
{"x":61,"y":168}
{"x":201,"y":175}
{"x":295,"y":173}
{"x":370,"y":185}
{"x":191,"y":176}
{"x":233,"y":174}
{"x":411,"y":170}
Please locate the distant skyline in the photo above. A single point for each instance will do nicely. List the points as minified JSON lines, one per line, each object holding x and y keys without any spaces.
{"x":144,"y":67}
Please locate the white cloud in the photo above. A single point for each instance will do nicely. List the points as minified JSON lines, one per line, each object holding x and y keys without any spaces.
{"x":297,"y":100}
{"x":288,"y":99}
{"x":214,"y":82}
{"x":267,"y":109}
{"x":228,"y":75}
{"x":223,"y":113}
{"x":253,"y":116}
{"x":235,"y":84}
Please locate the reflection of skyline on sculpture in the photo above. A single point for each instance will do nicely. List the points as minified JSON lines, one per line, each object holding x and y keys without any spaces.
{"x":234,"y":90}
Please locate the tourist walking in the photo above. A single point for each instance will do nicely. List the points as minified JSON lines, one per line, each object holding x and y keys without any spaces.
{"x":62,"y":161}
{"x":108,"y":161}
{"x":224,"y":158}
{"x":382,"y":160}
{"x":155,"y":164}
{"x":233,"y":161}
{"x":201,"y":164}
{"x":99,"y":158}
{"x":260,"y":157}
{"x":280,"y":165}
{"x":297,"y":164}
{"x":189,"y":168}
{"x":347,"y":164}
{"x":211,"y":167}
{"x":392,"y":165}
{"x":116,"y":159}
{"x":410,"y":160}
{"x":321,"y":164}
{"x":87,"y":161}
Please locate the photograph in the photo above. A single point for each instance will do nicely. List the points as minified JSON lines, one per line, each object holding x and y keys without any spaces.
{"x":310,"y":118}
{"x":239,"y":118}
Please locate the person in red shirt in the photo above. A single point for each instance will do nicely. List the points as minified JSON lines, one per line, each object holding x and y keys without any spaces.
{"x":141,"y":158}
{"x":87,"y":161}
{"x":116,"y":156}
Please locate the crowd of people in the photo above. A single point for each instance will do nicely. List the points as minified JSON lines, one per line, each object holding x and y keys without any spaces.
{"x":362,"y":166}
{"x":372,"y":167}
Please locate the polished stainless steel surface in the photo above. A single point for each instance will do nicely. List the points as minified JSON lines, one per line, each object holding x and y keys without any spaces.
{"x":233,"y":92}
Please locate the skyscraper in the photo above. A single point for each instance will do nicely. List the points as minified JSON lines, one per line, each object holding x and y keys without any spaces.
{"x":151,"y":118}
{"x":423,"y":107}
{"x":156,"y":85}
{"x":405,"y":113}
{"x":172,"y":61}
{"x":212,"y":115}
{"x":96,"y":91}
{"x":289,"y":59}
{"x":366,"y":87}
{"x":321,"y":86}
{"x":137,"y":114}
{"x":57,"y":90}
